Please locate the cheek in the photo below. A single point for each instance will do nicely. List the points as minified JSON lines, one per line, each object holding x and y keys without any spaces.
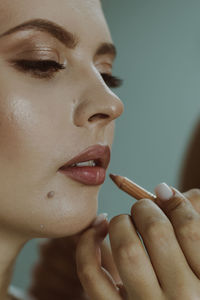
{"x":36,"y":135}
{"x":20,"y":137}
{"x":31,"y":123}
{"x":33,"y":141}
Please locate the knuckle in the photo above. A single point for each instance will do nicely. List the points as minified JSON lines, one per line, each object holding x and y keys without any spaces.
{"x":117,"y":219}
{"x":193,"y":193}
{"x":85,"y":272}
{"x":191,"y":217}
{"x":128,"y":252}
{"x":157,"y":229}
{"x":140,"y":205}
{"x":190,"y":231}
{"x":177,"y":203}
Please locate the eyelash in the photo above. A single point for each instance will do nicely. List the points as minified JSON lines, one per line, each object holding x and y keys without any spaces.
{"x":46,"y":69}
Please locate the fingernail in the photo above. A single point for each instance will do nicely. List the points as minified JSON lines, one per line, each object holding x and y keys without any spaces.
{"x":99,"y":219}
{"x":163,"y":191}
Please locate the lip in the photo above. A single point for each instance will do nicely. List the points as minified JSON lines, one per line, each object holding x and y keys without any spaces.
{"x":89,"y":175}
{"x":99,"y":153}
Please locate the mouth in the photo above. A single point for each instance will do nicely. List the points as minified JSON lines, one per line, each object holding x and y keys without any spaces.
{"x":89,"y":166}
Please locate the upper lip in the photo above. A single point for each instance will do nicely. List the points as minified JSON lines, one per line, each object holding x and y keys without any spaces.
{"x":100,"y":154}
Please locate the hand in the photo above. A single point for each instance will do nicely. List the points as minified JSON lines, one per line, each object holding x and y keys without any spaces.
{"x":55,"y":276}
{"x":169,"y":268}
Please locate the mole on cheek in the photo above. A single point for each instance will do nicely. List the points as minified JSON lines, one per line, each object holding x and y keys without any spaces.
{"x":51,"y":194}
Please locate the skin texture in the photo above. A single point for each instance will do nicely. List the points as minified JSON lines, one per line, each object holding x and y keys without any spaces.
{"x":170,"y":232}
{"x":60,"y":274}
{"x":53,"y":278}
{"x":44,"y":123}
{"x":55,"y":275}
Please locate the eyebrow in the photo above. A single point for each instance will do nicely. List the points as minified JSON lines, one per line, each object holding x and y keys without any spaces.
{"x":65,"y":37}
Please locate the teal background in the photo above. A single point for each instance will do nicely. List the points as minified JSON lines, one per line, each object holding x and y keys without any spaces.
{"x":158,"y":45}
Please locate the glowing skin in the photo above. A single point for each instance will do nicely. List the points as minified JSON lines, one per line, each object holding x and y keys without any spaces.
{"x":45,"y":122}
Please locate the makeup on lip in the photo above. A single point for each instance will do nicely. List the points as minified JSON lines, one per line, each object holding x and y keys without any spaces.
{"x":131,"y":188}
{"x":89,"y":166}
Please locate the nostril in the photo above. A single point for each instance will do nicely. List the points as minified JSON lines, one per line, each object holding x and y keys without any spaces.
{"x":98,"y":116}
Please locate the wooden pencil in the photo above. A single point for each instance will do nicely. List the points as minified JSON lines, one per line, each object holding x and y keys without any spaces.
{"x":131,"y":188}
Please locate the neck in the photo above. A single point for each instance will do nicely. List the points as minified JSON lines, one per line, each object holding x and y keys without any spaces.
{"x":10,"y":245}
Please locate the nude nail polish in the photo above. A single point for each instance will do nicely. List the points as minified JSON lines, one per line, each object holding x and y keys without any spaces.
{"x":163,"y":191}
{"x":99,"y":219}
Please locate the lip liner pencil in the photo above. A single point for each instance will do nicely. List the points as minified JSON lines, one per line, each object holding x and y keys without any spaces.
{"x":131,"y":188}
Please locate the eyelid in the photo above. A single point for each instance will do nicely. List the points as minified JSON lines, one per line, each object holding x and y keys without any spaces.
{"x":112,"y":81}
{"x":39,"y":69}
{"x":49,"y":54}
{"x":104,"y":67}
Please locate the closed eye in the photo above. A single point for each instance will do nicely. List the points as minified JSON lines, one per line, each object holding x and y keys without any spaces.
{"x":39,"y":68}
{"x":112,"y":81}
{"x":48,"y":69}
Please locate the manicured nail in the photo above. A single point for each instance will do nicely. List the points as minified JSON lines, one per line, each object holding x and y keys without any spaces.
{"x":99,"y":219}
{"x":163,"y":191}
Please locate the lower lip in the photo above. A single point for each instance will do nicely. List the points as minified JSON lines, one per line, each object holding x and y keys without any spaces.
{"x":86,"y":175}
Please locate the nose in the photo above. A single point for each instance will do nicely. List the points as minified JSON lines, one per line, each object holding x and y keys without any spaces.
{"x":98,"y":105}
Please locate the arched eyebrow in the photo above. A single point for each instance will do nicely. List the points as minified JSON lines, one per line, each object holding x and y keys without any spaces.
{"x":106,"y":48}
{"x":65,"y":37}
{"x":61,"y":34}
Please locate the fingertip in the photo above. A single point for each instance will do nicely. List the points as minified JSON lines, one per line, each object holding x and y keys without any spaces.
{"x":102,"y":230}
{"x":99,"y":219}
{"x":163,"y":192}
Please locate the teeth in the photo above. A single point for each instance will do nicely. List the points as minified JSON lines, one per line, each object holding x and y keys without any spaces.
{"x":89,"y":163}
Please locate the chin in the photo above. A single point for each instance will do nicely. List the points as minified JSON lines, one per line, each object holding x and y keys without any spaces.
{"x":69,"y":212}
{"x":59,"y":230}
{"x":66,"y":222}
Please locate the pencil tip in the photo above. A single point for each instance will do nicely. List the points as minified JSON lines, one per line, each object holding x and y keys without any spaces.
{"x":117,"y":179}
{"x":112,"y":176}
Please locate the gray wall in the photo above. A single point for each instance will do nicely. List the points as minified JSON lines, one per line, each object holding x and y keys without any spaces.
{"x":158,"y":46}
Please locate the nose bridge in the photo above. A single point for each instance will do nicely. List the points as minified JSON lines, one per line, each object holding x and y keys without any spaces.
{"x":97,"y":103}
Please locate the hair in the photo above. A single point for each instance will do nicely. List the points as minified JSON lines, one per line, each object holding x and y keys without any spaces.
{"x":190,"y":171}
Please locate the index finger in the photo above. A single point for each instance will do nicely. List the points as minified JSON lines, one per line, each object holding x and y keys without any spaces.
{"x":186,"y":222}
{"x":134,"y":266}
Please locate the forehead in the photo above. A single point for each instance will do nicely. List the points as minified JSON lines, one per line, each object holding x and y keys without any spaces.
{"x":84,"y":18}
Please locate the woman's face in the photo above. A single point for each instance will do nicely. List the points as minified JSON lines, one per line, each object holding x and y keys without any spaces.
{"x":48,"y":116}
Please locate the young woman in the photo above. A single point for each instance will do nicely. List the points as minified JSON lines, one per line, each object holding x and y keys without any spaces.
{"x":57,"y":110}
{"x":55,"y":102}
